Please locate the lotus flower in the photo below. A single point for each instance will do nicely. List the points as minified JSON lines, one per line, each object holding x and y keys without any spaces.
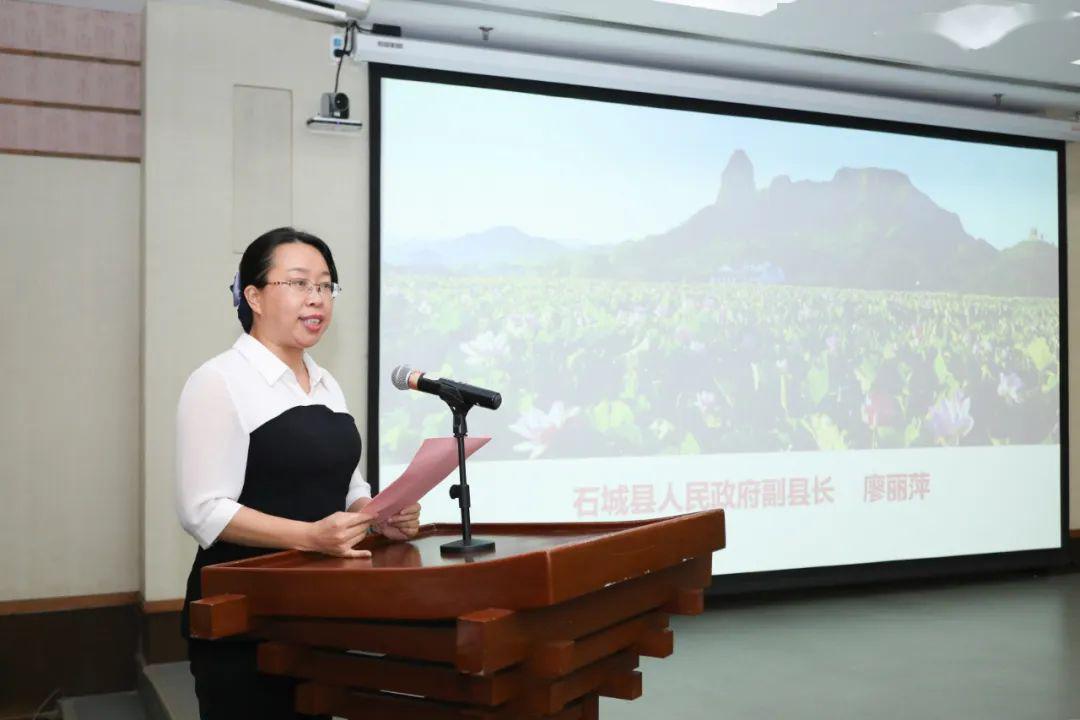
{"x":539,"y":428}
{"x":485,"y":349}
{"x":661,"y":428}
{"x":704,"y":401}
{"x":879,"y":409}
{"x":950,"y":418}
{"x":1009,"y":387}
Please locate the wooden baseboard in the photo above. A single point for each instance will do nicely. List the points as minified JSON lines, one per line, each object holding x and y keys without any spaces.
{"x":82,"y":645}
{"x":87,"y":602}
{"x":159,"y":631}
{"x":81,"y":651}
{"x":153,"y":607}
{"x":161,"y":640}
{"x":74,"y":602}
{"x":1075,"y":533}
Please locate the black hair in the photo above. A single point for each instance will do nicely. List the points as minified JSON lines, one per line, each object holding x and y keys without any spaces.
{"x":259,"y":256}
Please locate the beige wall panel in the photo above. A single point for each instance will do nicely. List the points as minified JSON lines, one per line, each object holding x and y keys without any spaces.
{"x":59,"y":28}
{"x":80,"y":132}
{"x":195,"y":56}
{"x":262,"y":162}
{"x":25,"y":77}
{"x":69,"y":419}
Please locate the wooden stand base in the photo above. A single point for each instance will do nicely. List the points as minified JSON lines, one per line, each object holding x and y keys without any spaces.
{"x":542,"y":659}
{"x":494,"y":664}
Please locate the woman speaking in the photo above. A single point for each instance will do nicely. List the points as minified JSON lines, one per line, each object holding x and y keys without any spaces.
{"x":268,"y":455}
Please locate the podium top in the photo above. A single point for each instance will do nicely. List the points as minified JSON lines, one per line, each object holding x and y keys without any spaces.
{"x":533,"y":565}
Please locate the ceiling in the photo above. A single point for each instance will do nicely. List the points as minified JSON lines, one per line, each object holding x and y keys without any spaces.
{"x":945,"y":51}
{"x":952,"y":51}
{"x":1036,"y":41}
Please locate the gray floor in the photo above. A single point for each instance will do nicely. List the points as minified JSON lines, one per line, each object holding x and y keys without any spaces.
{"x":112,"y":706}
{"x":1005,"y":649}
{"x":169,"y":691}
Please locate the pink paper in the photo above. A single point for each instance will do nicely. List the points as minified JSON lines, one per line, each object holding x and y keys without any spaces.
{"x":436,"y":458}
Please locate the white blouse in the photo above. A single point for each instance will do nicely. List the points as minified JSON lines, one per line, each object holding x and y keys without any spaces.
{"x":222,"y":402}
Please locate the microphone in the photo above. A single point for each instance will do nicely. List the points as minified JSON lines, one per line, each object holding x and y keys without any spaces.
{"x":405,"y":378}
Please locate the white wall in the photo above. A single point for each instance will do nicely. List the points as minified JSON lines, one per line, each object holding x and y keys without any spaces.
{"x":69,"y":414}
{"x":194,"y":57}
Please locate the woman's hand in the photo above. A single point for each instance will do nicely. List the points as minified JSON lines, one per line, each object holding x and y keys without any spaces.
{"x":337,"y":534}
{"x":404,"y":525}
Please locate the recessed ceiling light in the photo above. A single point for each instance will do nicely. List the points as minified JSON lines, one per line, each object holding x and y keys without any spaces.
{"x":742,"y":7}
{"x":1076,"y":62}
{"x":976,"y":26}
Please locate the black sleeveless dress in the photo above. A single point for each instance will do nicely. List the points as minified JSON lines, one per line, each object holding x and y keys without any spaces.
{"x":299,"y":465}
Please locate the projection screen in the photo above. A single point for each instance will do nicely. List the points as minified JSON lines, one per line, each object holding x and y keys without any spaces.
{"x":846,"y":333}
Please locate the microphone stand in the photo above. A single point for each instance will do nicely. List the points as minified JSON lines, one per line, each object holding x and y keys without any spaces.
{"x":467,"y":545}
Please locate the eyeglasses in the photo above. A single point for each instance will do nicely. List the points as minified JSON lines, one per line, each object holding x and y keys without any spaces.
{"x":304,"y":287}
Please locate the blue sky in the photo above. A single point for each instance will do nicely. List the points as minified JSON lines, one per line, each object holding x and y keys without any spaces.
{"x":458,"y":160}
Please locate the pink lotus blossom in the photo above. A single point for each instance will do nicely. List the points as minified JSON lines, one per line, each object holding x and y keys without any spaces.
{"x":950,"y":417}
{"x":539,"y":428}
{"x":879,"y":409}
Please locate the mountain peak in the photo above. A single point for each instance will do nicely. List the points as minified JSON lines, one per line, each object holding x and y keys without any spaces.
{"x":737,"y":181}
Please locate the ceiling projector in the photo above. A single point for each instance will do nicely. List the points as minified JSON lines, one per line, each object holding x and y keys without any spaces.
{"x":330,"y":11}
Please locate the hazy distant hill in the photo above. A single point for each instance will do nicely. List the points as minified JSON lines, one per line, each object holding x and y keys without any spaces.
{"x":498,"y":249}
{"x":1027,"y":268}
{"x":864,"y":228}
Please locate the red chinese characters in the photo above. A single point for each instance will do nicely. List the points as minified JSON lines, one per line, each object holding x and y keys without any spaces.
{"x":896,"y":487}
{"x":622,"y":500}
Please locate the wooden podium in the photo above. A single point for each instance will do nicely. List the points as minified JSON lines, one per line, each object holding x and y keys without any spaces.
{"x":552,"y":620}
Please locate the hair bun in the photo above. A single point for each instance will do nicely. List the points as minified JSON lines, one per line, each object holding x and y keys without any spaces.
{"x":236,"y":289}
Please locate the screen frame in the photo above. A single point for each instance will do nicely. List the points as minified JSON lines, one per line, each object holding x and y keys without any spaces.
{"x":761,"y":581}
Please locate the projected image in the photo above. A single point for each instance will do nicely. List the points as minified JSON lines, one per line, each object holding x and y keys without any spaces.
{"x":651,"y":282}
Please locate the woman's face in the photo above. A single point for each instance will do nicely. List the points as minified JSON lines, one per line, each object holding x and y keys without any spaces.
{"x":286,"y":315}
